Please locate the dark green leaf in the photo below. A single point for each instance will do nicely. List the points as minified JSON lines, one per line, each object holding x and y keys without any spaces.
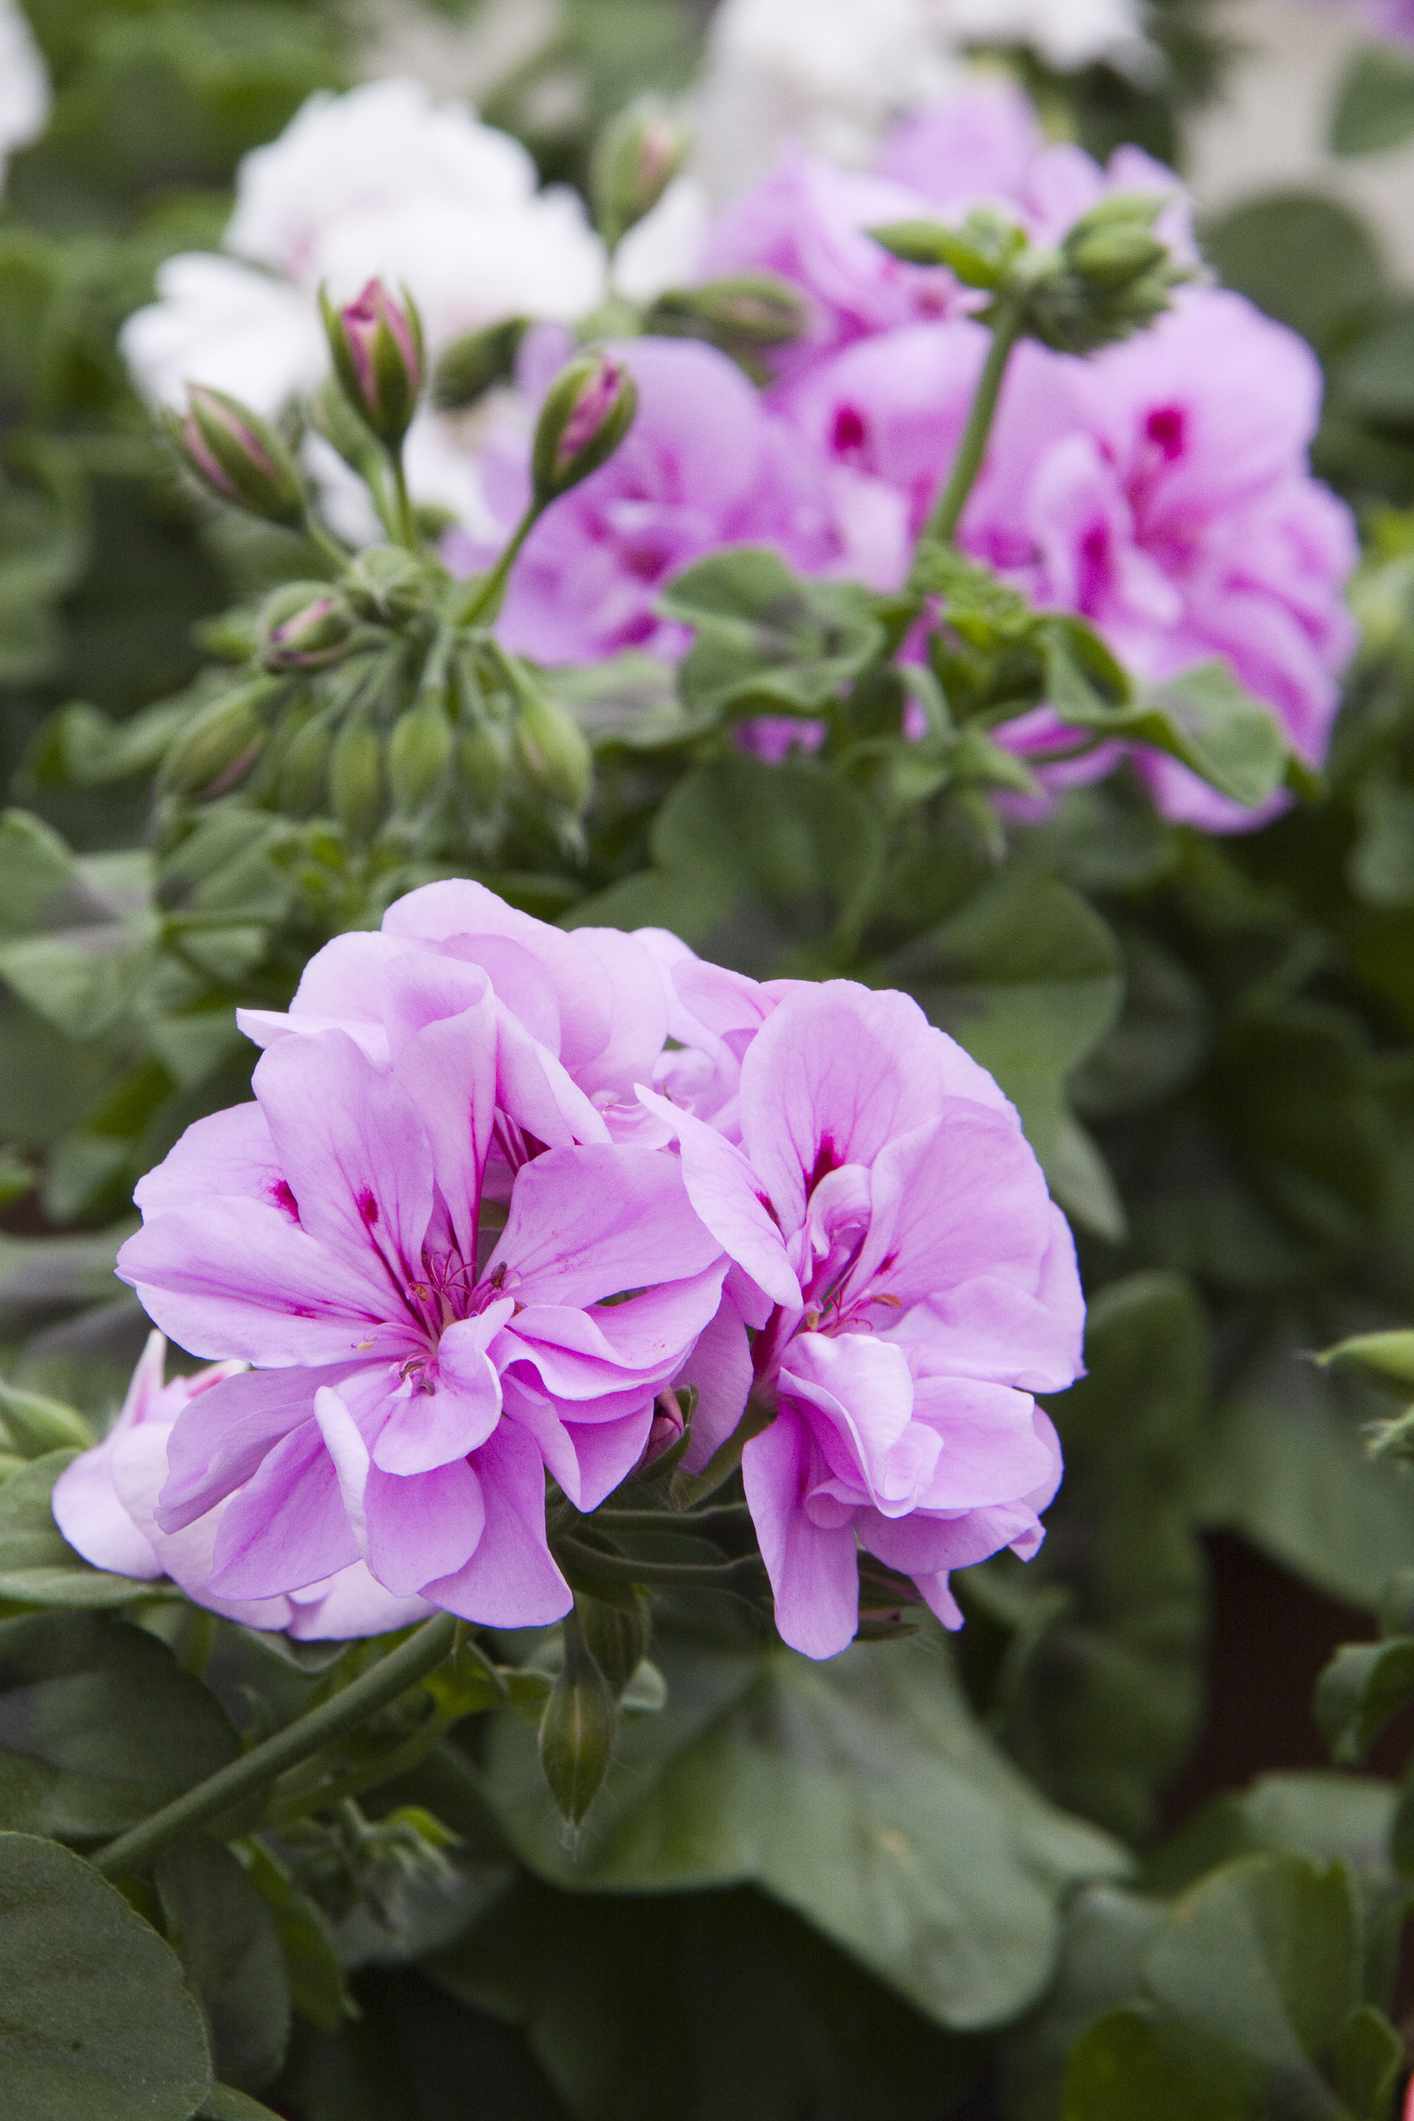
{"x":1132,"y":2064}
{"x":598,"y":1986}
{"x":1360,"y":1692}
{"x":1375,"y":105}
{"x":99,"y":1726}
{"x":37,"y":1565}
{"x":1264,"y":248}
{"x":859,"y":1793}
{"x":96,"y":2023}
{"x":769,"y":641}
{"x":225,"y":1936}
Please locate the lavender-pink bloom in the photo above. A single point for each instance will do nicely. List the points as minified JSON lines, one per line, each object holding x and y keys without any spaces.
{"x":704,"y":465}
{"x":423,"y":1355}
{"x":910,"y":1285}
{"x":105,"y":1504}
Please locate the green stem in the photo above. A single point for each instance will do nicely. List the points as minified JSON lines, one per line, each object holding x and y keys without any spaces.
{"x":664,"y":1575}
{"x":221,"y":1792}
{"x":485,"y":599}
{"x":947,"y":513}
{"x":721,"y":1514}
{"x":327,"y":547}
{"x":408,"y":531}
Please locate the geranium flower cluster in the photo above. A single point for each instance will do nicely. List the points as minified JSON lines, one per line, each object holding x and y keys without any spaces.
{"x":503,"y":1193}
{"x":1161,"y":489}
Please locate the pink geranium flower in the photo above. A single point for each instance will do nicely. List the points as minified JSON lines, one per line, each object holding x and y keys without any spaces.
{"x":903,"y":1286}
{"x":422,"y":1355}
{"x":105,"y":1504}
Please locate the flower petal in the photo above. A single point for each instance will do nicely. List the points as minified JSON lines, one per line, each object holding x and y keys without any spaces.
{"x":512,"y":1579}
{"x":814,"y":1572}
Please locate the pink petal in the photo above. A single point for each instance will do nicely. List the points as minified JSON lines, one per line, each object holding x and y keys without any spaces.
{"x":719,"y":1369}
{"x":727,"y":1195}
{"x":993,"y":1450}
{"x":222,"y":1439}
{"x":421,"y":1527}
{"x":511,"y":1580}
{"x":813,"y":1572}
{"x":428,"y":1428}
{"x":95,"y":1523}
{"x":589,"y":1223}
{"x":287,"y":1527}
{"x":227,"y":1153}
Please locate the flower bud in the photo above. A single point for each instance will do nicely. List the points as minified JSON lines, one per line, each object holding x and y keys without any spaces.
{"x":377,"y":349}
{"x":307,"y":626}
{"x":483,"y":762}
{"x":616,"y":1636}
{"x":553,"y":749}
{"x":218,"y":746}
{"x":303,"y":771}
{"x":750,"y":310}
{"x":577,"y":1730}
{"x":587,"y":413}
{"x":385,"y":584}
{"x":1112,"y":276}
{"x":356,"y":779}
{"x":637,"y":157}
{"x":237,"y":455}
{"x":473,"y":364}
{"x":419,"y":754}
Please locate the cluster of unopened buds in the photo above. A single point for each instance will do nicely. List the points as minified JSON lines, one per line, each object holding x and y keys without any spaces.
{"x":520,"y":1219}
{"x":376,"y":694}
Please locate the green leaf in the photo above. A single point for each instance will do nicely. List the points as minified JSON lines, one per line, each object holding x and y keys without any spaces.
{"x":599,"y":1985}
{"x":1263,"y":1957}
{"x":1264,"y":248}
{"x":97,"y":2020}
{"x":1106,"y":1931}
{"x":1369,"y":2064}
{"x":1132,"y":2064}
{"x":859,"y":1793}
{"x":224,"y":2103}
{"x":316,"y":1974}
{"x":37,"y":1564}
{"x":1026,"y":976}
{"x":768,"y":868}
{"x":1204,"y":718}
{"x":1360,"y":1692}
{"x":769,"y":641}
{"x":1386,"y":1355}
{"x":99,"y":1726}
{"x":1107,"y":1700}
{"x":1374,"y":107}
{"x":225,"y":1936}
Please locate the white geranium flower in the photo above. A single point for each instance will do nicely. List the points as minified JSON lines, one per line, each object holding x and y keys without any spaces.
{"x":219,"y":322}
{"x":24,"y":84}
{"x":831,"y":74}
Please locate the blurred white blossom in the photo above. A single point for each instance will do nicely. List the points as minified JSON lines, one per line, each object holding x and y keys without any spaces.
{"x":830,"y":75}
{"x":24,"y":83}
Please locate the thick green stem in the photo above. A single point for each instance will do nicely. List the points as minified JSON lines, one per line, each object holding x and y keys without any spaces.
{"x":221,"y":1792}
{"x":408,"y":532}
{"x":327,"y":547}
{"x":724,"y":1513}
{"x":947,"y":513}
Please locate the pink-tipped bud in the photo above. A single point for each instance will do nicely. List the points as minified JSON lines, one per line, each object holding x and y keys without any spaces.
{"x":638,"y":155}
{"x":307,"y":627}
{"x":377,"y":348}
{"x":238,"y":456}
{"x":587,"y":412}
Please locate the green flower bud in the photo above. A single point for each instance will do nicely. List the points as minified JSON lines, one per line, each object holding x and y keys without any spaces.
{"x":387,"y":585}
{"x":616,"y":1636}
{"x":219,"y":746}
{"x":377,"y":349}
{"x":637,"y":156}
{"x":475,"y":363}
{"x":303,"y":772}
{"x":751,"y":310}
{"x":554,"y":751}
{"x":577,"y":1730}
{"x":1112,"y":257}
{"x":483,"y":761}
{"x":307,"y":626}
{"x":356,"y":779}
{"x":238,"y":456}
{"x":419,"y":755}
{"x":587,"y":412}
{"x":1112,"y":276}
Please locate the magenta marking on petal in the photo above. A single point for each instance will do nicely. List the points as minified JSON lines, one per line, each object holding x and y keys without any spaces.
{"x":1167,"y":428}
{"x":284,"y":1199}
{"x":367,"y":1206}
